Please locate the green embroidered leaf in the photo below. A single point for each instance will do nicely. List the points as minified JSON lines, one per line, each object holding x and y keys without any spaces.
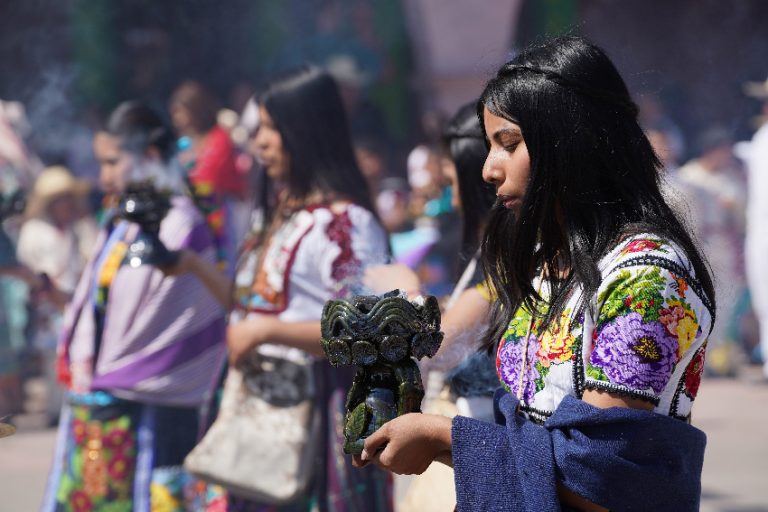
{"x":117,"y":506}
{"x":543,"y":372}
{"x":77,"y":461}
{"x":641,"y":293}
{"x":66,"y":486}
{"x":596,"y":373}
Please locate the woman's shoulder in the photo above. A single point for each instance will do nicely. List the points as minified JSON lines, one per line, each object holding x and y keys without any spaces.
{"x":650,"y":268}
{"x":646,"y":249}
{"x":347,"y":213}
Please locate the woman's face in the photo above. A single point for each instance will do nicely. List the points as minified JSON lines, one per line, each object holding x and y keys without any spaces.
{"x":449,"y":174}
{"x":115,"y":163}
{"x":269,"y":148}
{"x":181,"y":118}
{"x":508,"y":166}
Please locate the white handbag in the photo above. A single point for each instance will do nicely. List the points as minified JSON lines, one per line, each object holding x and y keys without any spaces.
{"x":263,"y":442}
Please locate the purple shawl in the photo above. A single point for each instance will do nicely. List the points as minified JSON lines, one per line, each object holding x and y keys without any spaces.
{"x":163,"y":337}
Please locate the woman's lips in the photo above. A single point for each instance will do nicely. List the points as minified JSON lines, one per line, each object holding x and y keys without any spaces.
{"x":510,"y":202}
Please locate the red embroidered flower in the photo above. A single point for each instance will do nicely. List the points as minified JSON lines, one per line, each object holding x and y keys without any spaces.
{"x":119,"y":466}
{"x":80,"y":501}
{"x":641,"y":245}
{"x":78,"y":431}
{"x":118,"y":439}
{"x":693,"y":374}
{"x":340,"y":231}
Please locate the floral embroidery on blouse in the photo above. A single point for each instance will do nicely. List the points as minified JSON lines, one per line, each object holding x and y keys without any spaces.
{"x":553,"y":347}
{"x":644,"y":244}
{"x":647,"y":325}
{"x":648,"y":318}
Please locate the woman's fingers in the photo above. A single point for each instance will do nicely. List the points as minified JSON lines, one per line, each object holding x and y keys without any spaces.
{"x":375,"y":443}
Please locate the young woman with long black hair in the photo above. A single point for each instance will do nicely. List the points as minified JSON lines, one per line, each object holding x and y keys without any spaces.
{"x":604,"y":307}
{"x":318,"y":241}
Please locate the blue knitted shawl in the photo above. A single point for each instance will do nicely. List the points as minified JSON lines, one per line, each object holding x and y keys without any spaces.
{"x":620,"y":458}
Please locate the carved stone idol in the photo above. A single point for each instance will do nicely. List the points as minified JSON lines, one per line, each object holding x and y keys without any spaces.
{"x":143,"y":204}
{"x":384,"y":336}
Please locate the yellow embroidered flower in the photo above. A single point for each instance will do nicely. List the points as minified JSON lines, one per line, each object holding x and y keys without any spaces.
{"x":686,"y":332}
{"x":556,"y":343}
{"x":162,"y":499}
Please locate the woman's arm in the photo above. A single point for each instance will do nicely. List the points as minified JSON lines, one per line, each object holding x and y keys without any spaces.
{"x":217,"y":283}
{"x":244,"y":336}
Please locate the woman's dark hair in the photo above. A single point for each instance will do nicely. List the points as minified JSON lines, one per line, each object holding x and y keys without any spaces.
{"x":201,"y":104}
{"x":464,"y":143}
{"x":306,"y":108}
{"x":139,"y":127}
{"x":594,"y":179}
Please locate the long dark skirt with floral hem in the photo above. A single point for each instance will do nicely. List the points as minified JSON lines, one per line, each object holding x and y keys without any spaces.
{"x":116,"y":455}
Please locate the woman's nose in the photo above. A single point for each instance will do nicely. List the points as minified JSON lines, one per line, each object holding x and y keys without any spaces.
{"x":491,"y":174}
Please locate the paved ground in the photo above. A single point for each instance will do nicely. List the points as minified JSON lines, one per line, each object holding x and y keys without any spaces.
{"x":733,"y":413}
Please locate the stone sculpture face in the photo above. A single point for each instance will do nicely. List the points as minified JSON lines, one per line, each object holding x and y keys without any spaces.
{"x":384,"y":336}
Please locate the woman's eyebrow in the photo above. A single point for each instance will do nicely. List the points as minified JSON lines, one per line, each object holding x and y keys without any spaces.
{"x":512,"y":132}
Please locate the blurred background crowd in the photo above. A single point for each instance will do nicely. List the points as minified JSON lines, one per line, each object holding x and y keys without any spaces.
{"x":696,"y":70}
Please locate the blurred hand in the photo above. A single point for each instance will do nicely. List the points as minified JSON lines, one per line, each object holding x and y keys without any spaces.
{"x":33,"y":280}
{"x":408,"y":444}
{"x":184,"y":265}
{"x":244,"y":336}
{"x":384,"y":278}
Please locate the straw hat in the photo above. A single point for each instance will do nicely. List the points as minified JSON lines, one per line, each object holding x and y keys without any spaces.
{"x":757,"y":90}
{"x":52,"y":183}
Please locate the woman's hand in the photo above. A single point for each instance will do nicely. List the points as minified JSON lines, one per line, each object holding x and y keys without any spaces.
{"x":383,"y":278}
{"x":185,"y":264}
{"x":246,"y":335}
{"x":408,"y":444}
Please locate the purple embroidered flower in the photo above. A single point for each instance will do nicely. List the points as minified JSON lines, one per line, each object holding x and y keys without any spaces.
{"x":510,"y":363}
{"x":635,"y":354}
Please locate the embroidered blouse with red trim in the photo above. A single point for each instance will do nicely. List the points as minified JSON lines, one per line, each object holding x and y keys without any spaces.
{"x":317,"y":254}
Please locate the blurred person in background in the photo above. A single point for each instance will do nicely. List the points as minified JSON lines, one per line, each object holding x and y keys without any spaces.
{"x":325,"y":219}
{"x":210,"y":158}
{"x":140,"y":352}
{"x":757,"y":217}
{"x":392,"y":204}
{"x":660,"y":142}
{"x":654,"y":117}
{"x":12,"y":272}
{"x":429,"y":244}
{"x":18,"y":168}
{"x":712,"y":188}
{"x":56,"y":240}
{"x":461,"y":378}
{"x":372,"y":159}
